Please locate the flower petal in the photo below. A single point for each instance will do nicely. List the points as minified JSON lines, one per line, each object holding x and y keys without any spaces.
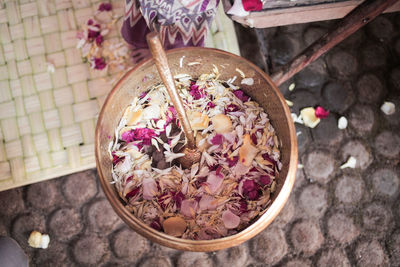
{"x":230,"y":220}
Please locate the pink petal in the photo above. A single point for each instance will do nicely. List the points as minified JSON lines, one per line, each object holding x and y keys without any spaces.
{"x":149,"y":188}
{"x":207,"y":202}
{"x":189,"y":207}
{"x":214,"y":182}
{"x":230,"y":220}
{"x":321,"y":113}
{"x":240,"y":169}
{"x":217,"y":139}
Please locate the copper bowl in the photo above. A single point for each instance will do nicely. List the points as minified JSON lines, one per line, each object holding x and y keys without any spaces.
{"x":141,"y":78}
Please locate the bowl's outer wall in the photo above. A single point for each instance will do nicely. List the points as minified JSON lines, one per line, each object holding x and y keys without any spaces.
{"x":263,"y":91}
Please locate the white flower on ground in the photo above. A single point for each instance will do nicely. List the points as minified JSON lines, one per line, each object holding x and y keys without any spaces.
{"x":342,"y":123}
{"x":38,"y":240}
{"x":350,"y":163}
{"x":388,"y":108}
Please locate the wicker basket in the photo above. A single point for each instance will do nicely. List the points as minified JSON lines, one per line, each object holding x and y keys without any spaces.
{"x":263,"y":91}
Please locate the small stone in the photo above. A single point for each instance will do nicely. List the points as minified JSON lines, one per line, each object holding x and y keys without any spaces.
{"x":65,"y":223}
{"x":313,"y":33}
{"x":388,"y":144}
{"x":11,"y":202}
{"x":327,"y":132}
{"x":385,"y":182}
{"x":394,"y":248}
{"x":354,"y":41}
{"x":233,"y":257}
{"x":303,"y":137}
{"x":373,"y":55}
{"x":397,"y":47}
{"x":319,"y":165}
{"x":341,"y":228}
{"x":298,"y":263}
{"x":338,"y":96}
{"x":314,"y":200}
{"x":300,"y":179}
{"x":163,"y":250}
{"x":349,"y":189}
{"x":55,"y":255}
{"x":90,"y":249}
{"x":335,"y":257}
{"x":370,"y":253}
{"x":23,"y":227}
{"x":102,"y":217}
{"x":302,"y":98}
{"x":381,"y":28}
{"x":362,"y":119}
{"x":342,"y":63}
{"x":377,"y":218}
{"x":286,"y":214}
{"x":80,"y":187}
{"x":369,"y":89}
{"x":312,"y":76}
{"x":359,"y":151}
{"x":306,"y":237}
{"x":3,"y":228}
{"x":282,"y":48}
{"x":269,"y":246}
{"x":123,"y":247}
{"x":395,"y":78}
{"x":42,"y":195}
{"x":156,"y":262}
{"x":200,"y":259}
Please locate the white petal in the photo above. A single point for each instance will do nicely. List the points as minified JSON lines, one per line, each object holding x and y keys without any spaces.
{"x":388,"y":108}
{"x":342,"y":123}
{"x":248,"y":81}
{"x":350,"y":163}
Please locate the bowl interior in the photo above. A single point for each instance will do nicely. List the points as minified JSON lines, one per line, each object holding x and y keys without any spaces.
{"x":263,"y":91}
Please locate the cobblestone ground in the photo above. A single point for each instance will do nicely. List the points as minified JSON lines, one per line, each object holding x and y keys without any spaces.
{"x":334,"y":217}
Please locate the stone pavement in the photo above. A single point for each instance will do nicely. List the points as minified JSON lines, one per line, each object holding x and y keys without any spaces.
{"x":334,"y":217}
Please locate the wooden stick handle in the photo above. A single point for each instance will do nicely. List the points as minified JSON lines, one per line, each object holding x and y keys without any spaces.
{"x":161,"y":61}
{"x":353,"y":21}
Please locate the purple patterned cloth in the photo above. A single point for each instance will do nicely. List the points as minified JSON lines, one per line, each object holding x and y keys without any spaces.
{"x":179,"y":23}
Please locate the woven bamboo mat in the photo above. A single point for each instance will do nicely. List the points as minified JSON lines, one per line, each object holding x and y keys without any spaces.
{"x":47,"y":120}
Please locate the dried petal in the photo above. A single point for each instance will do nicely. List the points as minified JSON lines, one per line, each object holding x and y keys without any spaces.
{"x":247,"y":151}
{"x":174,"y":226}
{"x":222,"y":123}
{"x":99,"y":63}
{"x":214,"y":182}
{"x":321,"y":113}
{"x":105,"y":7}
{"x":208,"y":202}
{"x":230,"y":219}
{"x":149,"y":188}
{"x":189,"y":207}
{"x":241,"y":95}
{"x":198,"y":120}
{"x":309,"y":117}
{"x":217,"y":139}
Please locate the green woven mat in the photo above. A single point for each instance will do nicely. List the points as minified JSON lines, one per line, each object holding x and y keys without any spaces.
{"x":48,"y":119}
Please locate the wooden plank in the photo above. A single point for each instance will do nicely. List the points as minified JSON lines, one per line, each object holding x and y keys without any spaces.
{"x":303,"y":14}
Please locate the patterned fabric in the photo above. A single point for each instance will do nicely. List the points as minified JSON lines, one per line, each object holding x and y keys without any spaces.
{"x":180,"y":23}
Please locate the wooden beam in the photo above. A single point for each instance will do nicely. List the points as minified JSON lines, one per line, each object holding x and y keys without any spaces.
{"x":356,"y":19}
